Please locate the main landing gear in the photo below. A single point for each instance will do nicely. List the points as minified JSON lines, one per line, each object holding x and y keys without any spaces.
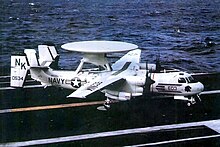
{"x":106,"y":106}
{"x":107,"y":103}
{"x":193,"y":99}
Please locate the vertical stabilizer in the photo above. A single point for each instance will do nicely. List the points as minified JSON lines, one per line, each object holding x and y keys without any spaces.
{"x":32,"y":58}
{"x":47,"y":54}
{"x":35,"y":67}
{"x":19,"y":67}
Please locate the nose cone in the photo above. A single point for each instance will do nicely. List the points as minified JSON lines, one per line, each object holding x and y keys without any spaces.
{"x":194,"y":88}
{"x":200,"y":87}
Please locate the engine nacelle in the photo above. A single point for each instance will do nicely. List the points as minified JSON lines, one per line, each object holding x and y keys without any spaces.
{"x":136,"y":80}
{"x":150,"y":67}
{"x":121,"y":96}
{"x":124,"y":96}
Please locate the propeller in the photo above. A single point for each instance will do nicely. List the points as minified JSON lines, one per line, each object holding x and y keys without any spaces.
{"x":148,"y":83}
{"x":158,"y":65}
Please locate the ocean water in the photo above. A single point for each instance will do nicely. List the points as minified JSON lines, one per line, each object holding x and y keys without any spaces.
{"x":184,"y":34}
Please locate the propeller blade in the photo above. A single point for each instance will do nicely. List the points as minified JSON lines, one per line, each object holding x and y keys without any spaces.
{"x":147,"y":84}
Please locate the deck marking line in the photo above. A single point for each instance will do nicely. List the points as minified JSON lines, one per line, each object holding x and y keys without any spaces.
{"x":25,"y":87}
{"x":110,"y":133}
{"x":176,"y":140}
{"x":51,"y":107}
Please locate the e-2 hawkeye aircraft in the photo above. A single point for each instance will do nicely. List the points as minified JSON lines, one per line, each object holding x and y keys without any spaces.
{"x":125,"y":79}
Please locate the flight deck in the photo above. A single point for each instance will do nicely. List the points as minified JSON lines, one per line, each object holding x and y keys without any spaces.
{"x":38,"y":116}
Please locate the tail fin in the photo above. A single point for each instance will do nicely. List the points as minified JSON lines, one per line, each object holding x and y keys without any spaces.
{"x":21,"y":63}
{"x":19,"y":68}
{"x":47,"y":54}
{"x":32,"y":57}
{"x":33,"y":61}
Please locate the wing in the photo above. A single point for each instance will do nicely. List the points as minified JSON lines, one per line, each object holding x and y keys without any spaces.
{"x":94,"y":86}
{"x":120,"y":68}
{"x":210,"y":92}
{"x":132,"y":56}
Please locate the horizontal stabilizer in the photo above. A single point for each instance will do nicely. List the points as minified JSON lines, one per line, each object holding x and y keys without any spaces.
{"x":40,"y":67}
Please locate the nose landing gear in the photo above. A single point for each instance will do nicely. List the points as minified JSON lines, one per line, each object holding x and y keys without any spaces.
{"x":193,"y":99}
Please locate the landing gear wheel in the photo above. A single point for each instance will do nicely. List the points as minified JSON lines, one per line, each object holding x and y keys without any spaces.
{"x":188,"y":104}
{"x":193,"y":99}
{"x":107,"y":104}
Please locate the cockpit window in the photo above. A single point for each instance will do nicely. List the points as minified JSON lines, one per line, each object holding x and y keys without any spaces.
{"x":92,"y":67}
{"x":190,"y":79}
{"x":181,"y":80}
